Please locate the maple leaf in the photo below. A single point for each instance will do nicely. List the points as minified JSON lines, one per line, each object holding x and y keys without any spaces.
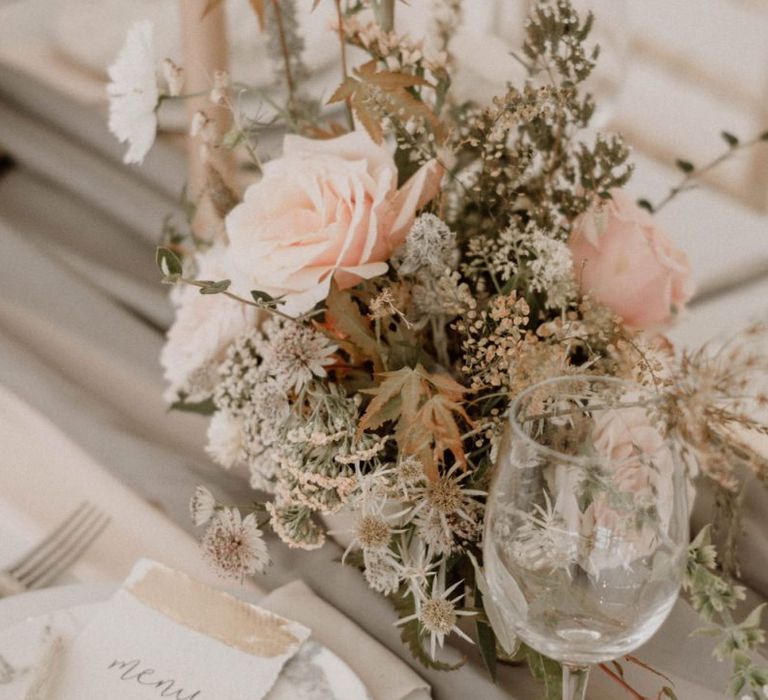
{"x":355,"y":328}
{"x":373,"y":94}
{"x":424,"y":408}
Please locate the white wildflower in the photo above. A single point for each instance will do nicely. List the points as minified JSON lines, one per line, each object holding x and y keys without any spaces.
{"x":294,"y":354}
{"x":225,"y":439}
{"x":174,"y":76}
{"x":295,"y":526}
{"x":235,"y":545}
{"x":202,"y":506}
{"x":382,"y":572}
{"x":429,"y":244}
{"x":438,"y":613}
{"x":551,"y":269}
{"x":444,"y":295}
{"x":204,"y":127}
{"x":220,"y":84}
{"x":204,"y":326}
{"x":133,"y":92}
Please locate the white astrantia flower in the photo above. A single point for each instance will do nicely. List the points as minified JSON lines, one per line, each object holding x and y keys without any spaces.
{"x":235,"y":545}
{"x":438,"y":613}
{"x":202,"y":506}
{"x":225,"y":439}
{"x":294,"y":354}
{"x":133,"y":92}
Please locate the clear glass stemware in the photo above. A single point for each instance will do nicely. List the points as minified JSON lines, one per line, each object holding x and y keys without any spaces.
{"x":587,"y":523}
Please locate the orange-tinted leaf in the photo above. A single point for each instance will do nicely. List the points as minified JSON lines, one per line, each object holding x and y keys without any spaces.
{"x":210,"y":6}
{"x":258,"y":7}
{"x":346,"y":317}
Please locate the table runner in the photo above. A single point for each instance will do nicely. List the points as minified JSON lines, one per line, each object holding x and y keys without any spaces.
{"x":89,"y":362}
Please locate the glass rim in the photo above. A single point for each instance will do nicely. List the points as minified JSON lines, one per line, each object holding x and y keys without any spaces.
{"x":607,"y":379}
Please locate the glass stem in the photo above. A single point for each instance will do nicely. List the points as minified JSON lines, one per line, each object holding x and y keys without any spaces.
{"x":575,"y":682}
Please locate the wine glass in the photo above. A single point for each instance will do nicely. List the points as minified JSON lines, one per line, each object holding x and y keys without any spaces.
{"x":586,"y":529}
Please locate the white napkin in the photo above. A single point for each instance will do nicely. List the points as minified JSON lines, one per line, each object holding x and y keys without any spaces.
{"x":385,"y":675}
{"x":44,"y":476}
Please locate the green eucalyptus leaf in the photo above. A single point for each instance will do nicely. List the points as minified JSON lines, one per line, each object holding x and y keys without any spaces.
{"x":168,"y":262}
{"x":730,"y":139}
{"x":205,"y":408}
{"x":261,"y":297}
{"x":210,"y":287}
{"x":645,"y":204}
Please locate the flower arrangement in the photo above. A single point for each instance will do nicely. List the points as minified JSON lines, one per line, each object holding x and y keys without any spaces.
{"x":361,"y":316}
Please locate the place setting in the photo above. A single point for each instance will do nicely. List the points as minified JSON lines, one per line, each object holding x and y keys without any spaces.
{"x":442,"y":376}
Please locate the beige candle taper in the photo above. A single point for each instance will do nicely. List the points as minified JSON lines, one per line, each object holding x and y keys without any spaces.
{"x":205,"y":46}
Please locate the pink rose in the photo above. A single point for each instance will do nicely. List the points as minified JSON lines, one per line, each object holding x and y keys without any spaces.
{"x":325,"y":210}
{"x":623,"y":261}
{"x":642,"y":467}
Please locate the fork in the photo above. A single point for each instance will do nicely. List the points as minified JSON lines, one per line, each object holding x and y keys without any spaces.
{"x":56,"y":553}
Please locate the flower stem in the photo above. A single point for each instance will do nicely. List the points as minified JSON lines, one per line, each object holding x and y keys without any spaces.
{"x":616,"y":677}
{"x":687,"y":182}
{"x":286,"y":53}
{"x":344,"y":71}
{"x":385,"y":14}
{"x":575,"y":679}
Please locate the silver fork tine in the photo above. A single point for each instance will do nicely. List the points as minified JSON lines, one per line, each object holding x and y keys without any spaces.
{"x":70,"y":554}
{"x":66,"y":538}
{"x":49,"y":542}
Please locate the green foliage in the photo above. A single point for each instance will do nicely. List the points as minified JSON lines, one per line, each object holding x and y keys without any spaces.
{"x":546,"y":670}
{"x":714,"y":599}
{"x":204,"y":408}
{"x":169,"y":263}
{"x":685,"y":165}
{"x":211,"y":287}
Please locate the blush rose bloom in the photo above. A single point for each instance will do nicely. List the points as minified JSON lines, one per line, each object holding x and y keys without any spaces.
{"x":625,"y":262}
{"x":327,"y":209}
{"x":619,"y":436}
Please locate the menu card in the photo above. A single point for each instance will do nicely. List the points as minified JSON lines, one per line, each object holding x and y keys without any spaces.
{"x":164,"y":635}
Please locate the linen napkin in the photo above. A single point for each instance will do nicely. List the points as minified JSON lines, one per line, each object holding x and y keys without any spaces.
{"x":385,"y":675}
{"x":44,"y":476}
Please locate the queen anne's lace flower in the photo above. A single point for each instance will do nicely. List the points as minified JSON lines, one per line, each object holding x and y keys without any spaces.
{"x":382,"y":572}
{"x":202,"y":506}
{"x":235,"y":545}
{"x":133,"y":92}
{"x":226,"y":439}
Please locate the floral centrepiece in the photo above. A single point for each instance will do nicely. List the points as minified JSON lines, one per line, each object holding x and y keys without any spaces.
{"x":385,"y":287}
